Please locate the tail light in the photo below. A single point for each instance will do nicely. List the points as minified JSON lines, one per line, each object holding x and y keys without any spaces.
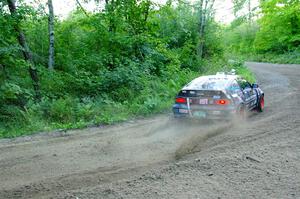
{"x":180,"y":100}
{"x":222,"y":102}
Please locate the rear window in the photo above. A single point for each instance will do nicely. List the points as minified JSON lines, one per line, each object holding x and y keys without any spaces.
{"x":207,"y":84}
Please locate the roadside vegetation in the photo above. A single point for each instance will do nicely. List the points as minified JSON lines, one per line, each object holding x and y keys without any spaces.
{"x":126,"y":60}
{"x":271,"y":35}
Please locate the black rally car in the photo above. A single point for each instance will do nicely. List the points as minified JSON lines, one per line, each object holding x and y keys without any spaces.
{"x":218,"y":96}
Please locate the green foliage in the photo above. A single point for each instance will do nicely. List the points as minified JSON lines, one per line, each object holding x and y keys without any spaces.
{"x":243,"y":71}
{"x":127,"y":61}
{"x":239,"y":39}
{"x":279,"y":26}
{"x":274,"y":37}
{"x":292,"y":57}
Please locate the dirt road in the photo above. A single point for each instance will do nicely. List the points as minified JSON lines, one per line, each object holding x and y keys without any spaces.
{"x":157,"y":158}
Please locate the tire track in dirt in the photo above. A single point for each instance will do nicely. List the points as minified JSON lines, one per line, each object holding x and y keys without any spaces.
{"x":46,"y":163}
{"x":139,"y":159}
{"x":255,"y":159}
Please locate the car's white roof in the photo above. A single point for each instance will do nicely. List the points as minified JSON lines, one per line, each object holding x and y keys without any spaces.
{"x":210,"y":82}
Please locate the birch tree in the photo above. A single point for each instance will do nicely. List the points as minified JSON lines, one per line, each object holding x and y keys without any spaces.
{"x":51,"y":35}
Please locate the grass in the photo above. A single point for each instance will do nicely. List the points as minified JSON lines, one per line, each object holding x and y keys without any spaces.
{"x":292,"y":57}
{"x":287,"y":58}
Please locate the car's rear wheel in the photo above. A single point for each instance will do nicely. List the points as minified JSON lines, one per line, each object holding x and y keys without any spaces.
{"x":261,"y":104}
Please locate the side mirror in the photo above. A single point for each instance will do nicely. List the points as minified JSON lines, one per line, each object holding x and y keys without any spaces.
{"x":254,"y":85}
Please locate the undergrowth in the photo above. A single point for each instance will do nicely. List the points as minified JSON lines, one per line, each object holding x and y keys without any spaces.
{"x":69,"y":112}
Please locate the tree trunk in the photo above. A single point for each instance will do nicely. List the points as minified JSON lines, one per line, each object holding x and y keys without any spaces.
{"x":202,"y":26}
{"x":205,"y":14}
{"x":249,"y":10}
{"x":109,"y":9}
{"x":81,"y":7}
{"x":25,"y":50}
{"x":51,"y":35}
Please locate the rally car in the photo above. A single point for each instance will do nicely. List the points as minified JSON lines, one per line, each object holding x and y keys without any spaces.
{"x":218,"y":96}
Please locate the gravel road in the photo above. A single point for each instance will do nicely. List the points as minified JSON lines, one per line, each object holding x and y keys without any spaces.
{"x":159,"y":158}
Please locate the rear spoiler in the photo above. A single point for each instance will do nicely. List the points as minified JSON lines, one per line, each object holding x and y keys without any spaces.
{"x":201,"y":93}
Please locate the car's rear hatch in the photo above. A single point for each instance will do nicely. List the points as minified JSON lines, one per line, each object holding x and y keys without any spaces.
{"x":203,"y":103}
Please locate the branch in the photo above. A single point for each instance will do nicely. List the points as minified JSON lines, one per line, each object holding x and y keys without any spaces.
{"x":83,"y":10}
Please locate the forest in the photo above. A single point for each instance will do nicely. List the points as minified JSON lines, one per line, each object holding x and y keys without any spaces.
{"x":128,"y":59}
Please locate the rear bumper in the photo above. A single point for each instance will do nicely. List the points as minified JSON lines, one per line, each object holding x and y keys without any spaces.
{"x":209,"y":112}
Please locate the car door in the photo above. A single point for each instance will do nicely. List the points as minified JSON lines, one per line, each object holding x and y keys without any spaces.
{"x":250,"y":98}
{"x":236,"y":93}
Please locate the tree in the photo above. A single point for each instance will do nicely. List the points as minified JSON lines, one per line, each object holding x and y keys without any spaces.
{"x":25,"y":49}
{"x":132,"y":51}
{"x":245,"y":7}
{"x":205,"y":14}
{"x":279,"y":26}
{"x":51,"y":35}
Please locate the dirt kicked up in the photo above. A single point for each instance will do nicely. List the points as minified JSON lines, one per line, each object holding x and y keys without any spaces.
{"x":162,"y":158}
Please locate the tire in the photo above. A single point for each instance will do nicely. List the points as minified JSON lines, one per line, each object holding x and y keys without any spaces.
{"x":261,"y":104}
